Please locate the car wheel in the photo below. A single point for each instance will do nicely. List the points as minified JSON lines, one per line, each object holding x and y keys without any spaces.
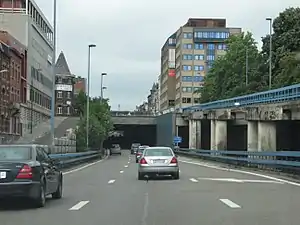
{"x":120,"y":153}
{"x":140,"y":176}
{"x":40,"y":201}
{"x":58,"y":193}
{"x":176,"y":176}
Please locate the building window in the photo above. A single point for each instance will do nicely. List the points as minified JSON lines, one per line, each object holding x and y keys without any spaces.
{"x":222,"y":47}
{"x":187,"y":46}
{"x":59,"y":110}
{"x":59,"y":94}
{"x":68,"y":110}
{"x":186,"y":100}
{"x":197,"y":100}
{"x":69,"y":94}
{"x":187,"y":68}
{"x":199,"y":68}
{"x":199,"y":57}
{"x":211,"y":46}
{"x":212,"y":35}
{"x":210,"y":57}
{"x":199,"y":46}
{"x":187,"y":57}
{"x":198,"y":78}
{"x":188,"y":35}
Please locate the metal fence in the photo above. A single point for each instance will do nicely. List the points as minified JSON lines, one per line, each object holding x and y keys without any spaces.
{"x":285,"y":161}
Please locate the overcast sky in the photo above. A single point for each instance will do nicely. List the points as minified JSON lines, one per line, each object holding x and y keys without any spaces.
{"x":130,"y":33}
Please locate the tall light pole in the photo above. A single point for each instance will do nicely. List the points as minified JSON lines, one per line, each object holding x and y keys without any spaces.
{"x":103,"y":88}
{"x":88,"y":95}
{"x":102,"y":75}
{"x":270,"y":52}
{"x":53,"y":75}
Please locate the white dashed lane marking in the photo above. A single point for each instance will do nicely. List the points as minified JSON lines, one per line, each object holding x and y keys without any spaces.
{"x":194,"y":180}
{"x":121,"y":171}
{"x":79,"y":205}
{"x":126,"y":166}
{"x":230,"y":203}
{"x":111,"y":181}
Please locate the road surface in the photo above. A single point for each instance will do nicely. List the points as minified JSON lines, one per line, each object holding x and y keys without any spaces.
{"x":109,"y":193}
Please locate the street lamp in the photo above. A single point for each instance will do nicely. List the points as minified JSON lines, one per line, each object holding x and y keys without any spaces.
{"x":102,"y":88}
{"x":270,"y":52}
{"x":53,"y":76}
{"x":88,"y":94}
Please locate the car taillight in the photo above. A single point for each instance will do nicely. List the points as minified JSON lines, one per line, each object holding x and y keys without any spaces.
{"x":174,"y":160}
{"x":139,"y":153}
{"x":143,"y":161}
{"x":25,"y":173}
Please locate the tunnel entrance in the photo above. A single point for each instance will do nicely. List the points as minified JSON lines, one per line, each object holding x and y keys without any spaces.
{"x":144,"y":134}
{"x":236,"y":137}
{"x":183,"y":132}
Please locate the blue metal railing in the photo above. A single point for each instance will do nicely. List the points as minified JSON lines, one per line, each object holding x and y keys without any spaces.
{"x":281,"y":160}
{"x":289,"y":93}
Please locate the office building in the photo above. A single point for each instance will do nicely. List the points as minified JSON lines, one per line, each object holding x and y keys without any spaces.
{"x":198,"y":43}
{"x":64,"y":87}
{"x":167,"y":78}
{"x":25,"y":21}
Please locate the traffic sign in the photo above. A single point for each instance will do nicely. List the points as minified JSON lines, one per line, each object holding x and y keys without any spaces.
{"x":177,"y":139}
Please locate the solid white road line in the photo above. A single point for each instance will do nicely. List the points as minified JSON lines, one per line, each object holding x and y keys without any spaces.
{"x":126,"y":166}
{"x":242,"y":171}
{"x":111,"y":181}
{"x":121,"y":171}
{"x":231,"y":204}
{"x":79,"y":205}
{"x":194,"y":180}
{"x":83,"y":167}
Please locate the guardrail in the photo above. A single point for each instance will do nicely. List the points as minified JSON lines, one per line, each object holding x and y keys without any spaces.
{"x":70,"y":159}
{"x":287,"y":161}
{"x":288,"y":93}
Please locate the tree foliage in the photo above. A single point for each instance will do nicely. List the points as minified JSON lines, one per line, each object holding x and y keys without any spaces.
{"x":227,"y":77}
{"x":100,"y":123}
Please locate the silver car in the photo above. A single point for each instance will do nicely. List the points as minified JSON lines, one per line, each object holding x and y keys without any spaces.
{"x":158,"y":161}
{"x":116,"y":149}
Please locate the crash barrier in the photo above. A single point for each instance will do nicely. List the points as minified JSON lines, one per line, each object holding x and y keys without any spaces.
{"x":70,"y":159}
{"x":285,"y":161}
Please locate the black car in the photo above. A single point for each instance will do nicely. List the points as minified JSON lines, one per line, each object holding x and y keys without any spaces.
{"x":28,"y":171}
{"x":134,"y":148}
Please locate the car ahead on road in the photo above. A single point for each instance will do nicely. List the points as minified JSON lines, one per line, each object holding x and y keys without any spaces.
{"x":134,"y":148}
{"x":28,"y":171}
{"x":139,"y":152}
{"x":158,"y":161}
{"x":115,"y":150}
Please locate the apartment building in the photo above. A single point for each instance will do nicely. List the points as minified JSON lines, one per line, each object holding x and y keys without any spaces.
{"x":64,"y":87}
{"x":198,"y":43}
{"x":24,"y":20}
{"x":12,"y":61}
{"x":167,"y":78}
{"x":79,"y":85}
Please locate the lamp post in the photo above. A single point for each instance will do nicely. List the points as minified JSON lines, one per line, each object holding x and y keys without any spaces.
{"x":88,"y":94}
{"x":53,"y":76}
{"x":102,"y":88}
{"x":270,"y":52}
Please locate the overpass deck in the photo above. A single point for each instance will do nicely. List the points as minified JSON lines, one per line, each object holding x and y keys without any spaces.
{"x":134,"y":120}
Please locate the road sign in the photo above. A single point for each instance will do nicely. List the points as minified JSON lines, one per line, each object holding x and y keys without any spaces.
{"x":177,"y":139}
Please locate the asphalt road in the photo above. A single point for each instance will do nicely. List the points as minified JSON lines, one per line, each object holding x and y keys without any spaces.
{"x":109,"y":193}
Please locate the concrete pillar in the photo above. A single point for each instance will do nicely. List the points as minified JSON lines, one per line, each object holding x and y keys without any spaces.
{"x":252,"y":136}
{"x":266,"y":136}
{"x":221,"y":135}
{"x":192,"y":134}
{"x":213,"y":135}
{"x":198,"y":132}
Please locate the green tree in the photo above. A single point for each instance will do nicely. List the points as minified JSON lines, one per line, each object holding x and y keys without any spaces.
{"x":100,"y":123}
{"x":285,"y":49}
{"x":227,"y":77}
{"x":80,"y":103}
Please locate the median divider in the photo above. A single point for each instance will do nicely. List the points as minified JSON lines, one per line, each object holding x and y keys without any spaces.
{"x":285,"y":161}
{"x":67,"y":160}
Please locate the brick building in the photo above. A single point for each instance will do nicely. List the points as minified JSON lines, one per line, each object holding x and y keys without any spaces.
{"x":79,"y":85}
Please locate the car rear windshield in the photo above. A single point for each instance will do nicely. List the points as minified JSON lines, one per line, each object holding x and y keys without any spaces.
{"x":158,"y":152}
{"x":136,"y":144}
{"x":12,"y":153}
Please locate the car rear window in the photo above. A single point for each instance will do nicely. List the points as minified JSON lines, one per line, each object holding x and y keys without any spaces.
{"x":136,"y":145}
{"x":15,"y":153}
{"x":158,"y":152}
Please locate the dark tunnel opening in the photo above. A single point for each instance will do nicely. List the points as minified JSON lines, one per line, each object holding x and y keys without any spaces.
{"x":144,"y":134}
{"x":183,"y":132}
{"x":205,"y":134}
{"x":236,"y":137}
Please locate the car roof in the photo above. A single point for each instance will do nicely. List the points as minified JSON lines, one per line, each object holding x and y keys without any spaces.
{"x":150,"y":148}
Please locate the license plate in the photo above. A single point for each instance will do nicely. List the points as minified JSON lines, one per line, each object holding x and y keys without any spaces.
{"x":159,"y":161}
{"x":2,"y":175}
